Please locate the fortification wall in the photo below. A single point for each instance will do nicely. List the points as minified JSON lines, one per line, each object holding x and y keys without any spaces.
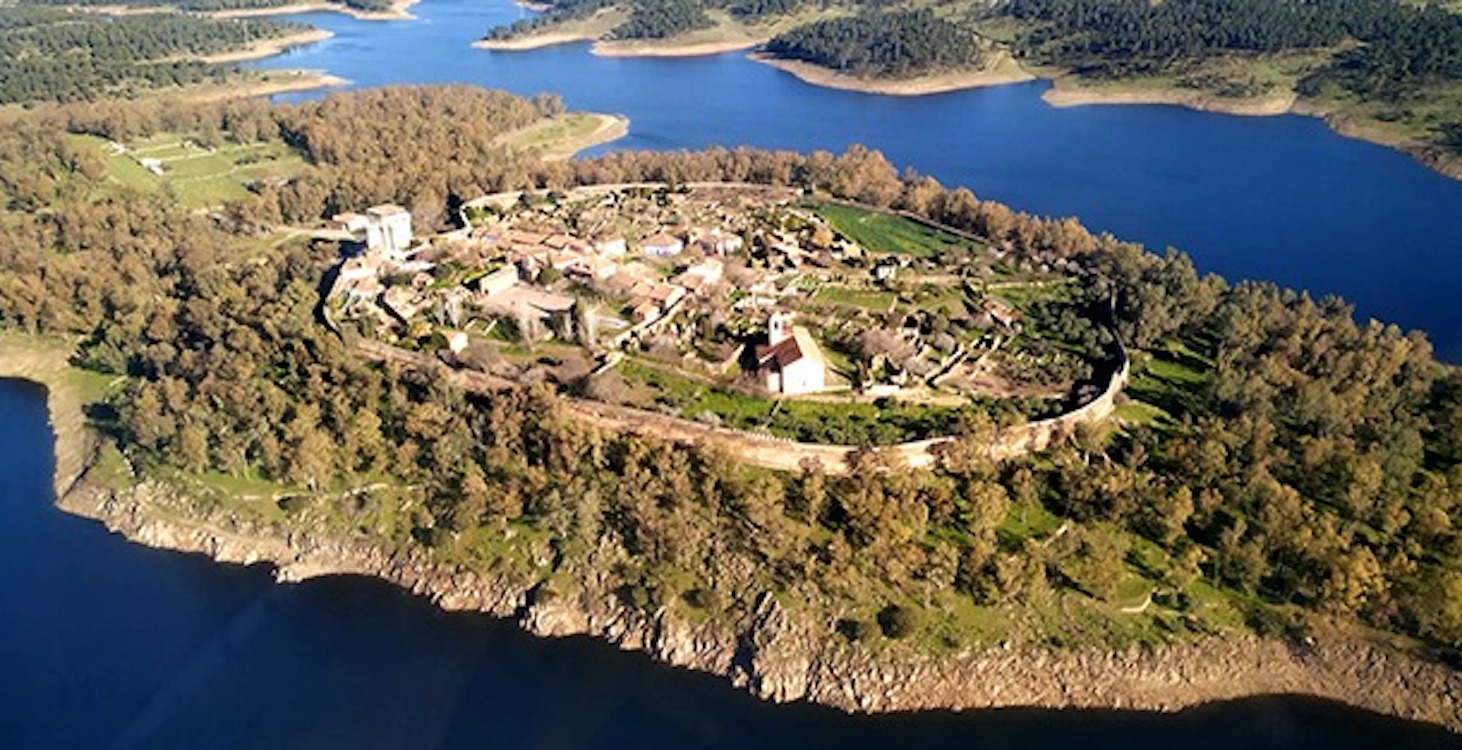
{"x":778,"y":453}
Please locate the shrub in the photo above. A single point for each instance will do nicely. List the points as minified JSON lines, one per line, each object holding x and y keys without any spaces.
{"x":898,"y":622}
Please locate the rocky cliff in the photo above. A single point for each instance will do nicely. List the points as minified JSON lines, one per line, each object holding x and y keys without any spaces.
{"x":774,"y":654}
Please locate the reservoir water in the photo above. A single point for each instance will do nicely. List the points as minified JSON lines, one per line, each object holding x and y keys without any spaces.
{"x":104,"y":644}
{"x":1274,"y":198}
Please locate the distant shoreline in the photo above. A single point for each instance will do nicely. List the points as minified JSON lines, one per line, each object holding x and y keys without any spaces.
{"x":936,"y":83}
{"x":613,"y":48}
{"x":607,"y":129}
{"x":638,"y":48}
{"x":269,"y":47}
{"x":530,"y":43}
{"x":288,"y":81}
{"x":397,"y":11}
{"x":610,"y":129}
{"x":1063,"y":93}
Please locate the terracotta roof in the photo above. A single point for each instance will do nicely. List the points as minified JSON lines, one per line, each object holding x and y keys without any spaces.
{"x":784,"y":353}
{"x":796,"y":347}
{"x":662,"y":292}
{"x":662,"y":240}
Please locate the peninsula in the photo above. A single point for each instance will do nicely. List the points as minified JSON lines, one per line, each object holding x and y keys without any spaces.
{"x":527,"y":387}
{"x":165,"y":52}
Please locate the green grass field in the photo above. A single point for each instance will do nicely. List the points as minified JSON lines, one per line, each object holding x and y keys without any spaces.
{"x":196,"y":176}
{"x":874,"y":300}
{"x":846,"y":423}
{"x":560,"y":136}
{"x":1165,"y":382}
{"x":886,"y":233}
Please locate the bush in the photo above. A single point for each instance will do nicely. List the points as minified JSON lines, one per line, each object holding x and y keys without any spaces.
{"x":898,"y":622}
{"x":856,"y":631}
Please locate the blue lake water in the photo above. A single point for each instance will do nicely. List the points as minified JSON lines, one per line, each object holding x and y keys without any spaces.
{"x":1276,"y":198}
{"x":104,"y":644}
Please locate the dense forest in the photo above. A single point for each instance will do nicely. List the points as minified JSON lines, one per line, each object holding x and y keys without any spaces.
{"x":1407,"y":58}
{"x":1402,"y":45}
{"x":62,"y":55}
{"x":881,"y":44}
{"x":1309,"y":469}
{"x":658,"y":19}
{"x":650,"y":19}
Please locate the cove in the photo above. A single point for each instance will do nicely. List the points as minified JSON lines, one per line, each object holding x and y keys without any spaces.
{"x":109,"y":645}
{"x":1270,"y":198}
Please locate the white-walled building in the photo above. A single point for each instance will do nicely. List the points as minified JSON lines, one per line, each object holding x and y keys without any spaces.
{"x":791,"y":363}
{"x":388,"y":229}
{"x":385,"y":228}
{"x":612,"y":247}
{"x":498,"y":281}
{"x":663,"y":245}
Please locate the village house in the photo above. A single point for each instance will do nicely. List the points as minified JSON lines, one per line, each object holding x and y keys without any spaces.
{"x":645,"y":312}
{"x":662,"y":245}
{"x":593,"y":269}
{"x":703,"y":275}
{"x":402,"y":302}
{"x":498,"y":281}
{"x":525,"y":301}
{"x":666,"y":295}
{"x":717,"y":242}
{"x":1001,"y":313}
{"x":791,"y":363}
{"x":357,"y":268}
{"x":349,"y":222}
{"x":612,"y":247}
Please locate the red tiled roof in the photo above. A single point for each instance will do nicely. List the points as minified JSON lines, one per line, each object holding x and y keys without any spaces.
{"x":784,"y":353}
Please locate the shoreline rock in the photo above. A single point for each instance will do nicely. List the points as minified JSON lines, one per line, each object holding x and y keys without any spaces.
{"x":940,"y":83}
{"x":769,"y":653}
{"x":1430,"y":155}
{"x":765,"y":650}
{"x":269,"y":47}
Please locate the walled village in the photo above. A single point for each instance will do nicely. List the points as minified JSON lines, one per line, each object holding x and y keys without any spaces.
{"x":746,"y":307}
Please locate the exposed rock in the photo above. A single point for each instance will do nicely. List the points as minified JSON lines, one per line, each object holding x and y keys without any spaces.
{"x":779,"y":658}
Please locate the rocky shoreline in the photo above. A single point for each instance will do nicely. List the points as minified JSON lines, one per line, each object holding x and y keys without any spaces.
{"x":938,"y":83}
{"x":770,"y":653}
{"x":1431,"y":155}
{"x":766,"y":649}
{"x":1061,"y":94}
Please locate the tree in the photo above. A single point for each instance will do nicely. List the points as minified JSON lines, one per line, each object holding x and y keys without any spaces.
{"x":192,"y":452}
{"x":897,"y":621}
{"x":472,"y":500}
{"x":311,"y":461}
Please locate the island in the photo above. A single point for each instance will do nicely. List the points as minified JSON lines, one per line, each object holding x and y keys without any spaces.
{"x":667,"y":400}
{"x":1374,"y":69}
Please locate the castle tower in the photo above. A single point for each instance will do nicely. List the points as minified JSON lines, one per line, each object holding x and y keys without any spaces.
{"x":389,"y":230}
{"x":779,"y":327}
